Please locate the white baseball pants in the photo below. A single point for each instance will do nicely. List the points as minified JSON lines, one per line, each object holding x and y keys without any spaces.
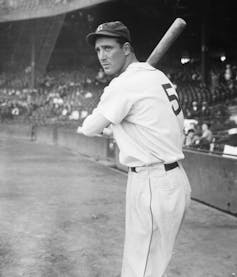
{"x":156,"y":201}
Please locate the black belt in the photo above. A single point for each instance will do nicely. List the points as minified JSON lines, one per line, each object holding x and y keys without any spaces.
{"x":166,"y":166}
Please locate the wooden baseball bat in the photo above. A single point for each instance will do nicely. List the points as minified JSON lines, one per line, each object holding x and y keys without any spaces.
{"x":167,"y":40}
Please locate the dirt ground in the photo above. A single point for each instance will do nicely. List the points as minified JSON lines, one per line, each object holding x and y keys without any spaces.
{"x":62,"y":214}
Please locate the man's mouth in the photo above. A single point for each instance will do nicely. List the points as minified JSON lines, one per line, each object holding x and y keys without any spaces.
{"x":105,"y":66}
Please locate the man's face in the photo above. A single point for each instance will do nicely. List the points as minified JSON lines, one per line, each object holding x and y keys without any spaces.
{"x":204,"y":127}
{"x":111,"y":55}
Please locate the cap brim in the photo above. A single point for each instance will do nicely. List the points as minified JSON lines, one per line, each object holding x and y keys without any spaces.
{"x":93,"y":36}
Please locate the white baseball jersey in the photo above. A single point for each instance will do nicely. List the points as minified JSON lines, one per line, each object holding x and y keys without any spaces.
{"x":147,"y":123}
{"x":146,"y":117}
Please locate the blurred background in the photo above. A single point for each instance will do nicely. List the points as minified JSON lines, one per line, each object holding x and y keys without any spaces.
{"x":50,"y":76}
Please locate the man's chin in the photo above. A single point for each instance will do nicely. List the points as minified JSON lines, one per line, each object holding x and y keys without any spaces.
{"x":111,"y":72}
{"x":108,"y":72}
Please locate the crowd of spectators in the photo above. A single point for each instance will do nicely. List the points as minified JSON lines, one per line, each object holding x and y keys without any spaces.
{"x":198,"y":97}
{"x":61,"y":97}
{"x":67,"y":97}
{"x":207,"y":104}
{"x":199,"y":138}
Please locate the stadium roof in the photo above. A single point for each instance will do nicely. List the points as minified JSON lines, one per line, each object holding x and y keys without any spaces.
{"x":11,"y":10}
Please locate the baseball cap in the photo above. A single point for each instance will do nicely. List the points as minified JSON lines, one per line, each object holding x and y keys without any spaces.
{"x":115,"y":29}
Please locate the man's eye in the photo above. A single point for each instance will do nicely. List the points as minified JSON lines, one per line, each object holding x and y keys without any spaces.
{"x":107,"y":48}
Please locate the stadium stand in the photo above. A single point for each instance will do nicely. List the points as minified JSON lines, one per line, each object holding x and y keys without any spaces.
{"x":24,"y":9}
{"x":59,"y":97}
{"x":67,"y":97}
{"x":42,"y":80}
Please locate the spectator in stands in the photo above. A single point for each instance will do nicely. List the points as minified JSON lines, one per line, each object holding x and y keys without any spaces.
{"x":206,"y":137}
{"x":194,"y":110}
{"x":214,"y":80}
{"x":15,"y":110}
{"x":190,"y":138}
{"x":187,"y":112}
{"x":205,"y":111}
{"x":228,"y":73}
{"x":228,"y":76}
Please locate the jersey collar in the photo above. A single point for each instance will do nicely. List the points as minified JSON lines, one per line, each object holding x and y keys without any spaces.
{"x":140,"y":65}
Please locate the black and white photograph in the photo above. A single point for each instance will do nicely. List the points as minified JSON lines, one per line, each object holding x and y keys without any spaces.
{"x":118,"y":138}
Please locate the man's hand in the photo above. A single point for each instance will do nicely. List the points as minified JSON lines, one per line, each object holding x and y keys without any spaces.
{"x":106,"y":131}
{"x":79,"y":130}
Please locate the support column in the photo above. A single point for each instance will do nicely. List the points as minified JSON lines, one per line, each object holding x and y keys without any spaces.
{"x":33,"y":40}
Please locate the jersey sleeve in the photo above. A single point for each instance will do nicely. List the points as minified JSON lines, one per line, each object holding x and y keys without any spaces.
{"x":115,"y":104}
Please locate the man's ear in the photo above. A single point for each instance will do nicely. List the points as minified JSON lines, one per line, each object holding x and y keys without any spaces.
{"x":127,"y":48}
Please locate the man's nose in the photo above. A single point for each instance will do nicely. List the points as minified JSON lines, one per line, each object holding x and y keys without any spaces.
{"x":102,"y":55}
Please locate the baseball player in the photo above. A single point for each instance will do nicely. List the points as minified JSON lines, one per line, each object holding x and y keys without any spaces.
{"x":141,"y":107}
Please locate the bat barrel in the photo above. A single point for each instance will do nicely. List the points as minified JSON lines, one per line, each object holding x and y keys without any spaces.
{"x":167,"y":40}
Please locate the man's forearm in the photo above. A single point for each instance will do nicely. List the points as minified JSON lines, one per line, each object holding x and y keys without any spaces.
{"x":94,"y":124}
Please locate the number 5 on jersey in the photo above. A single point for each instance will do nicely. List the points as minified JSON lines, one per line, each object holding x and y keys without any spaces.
{"x":173,"y":98}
